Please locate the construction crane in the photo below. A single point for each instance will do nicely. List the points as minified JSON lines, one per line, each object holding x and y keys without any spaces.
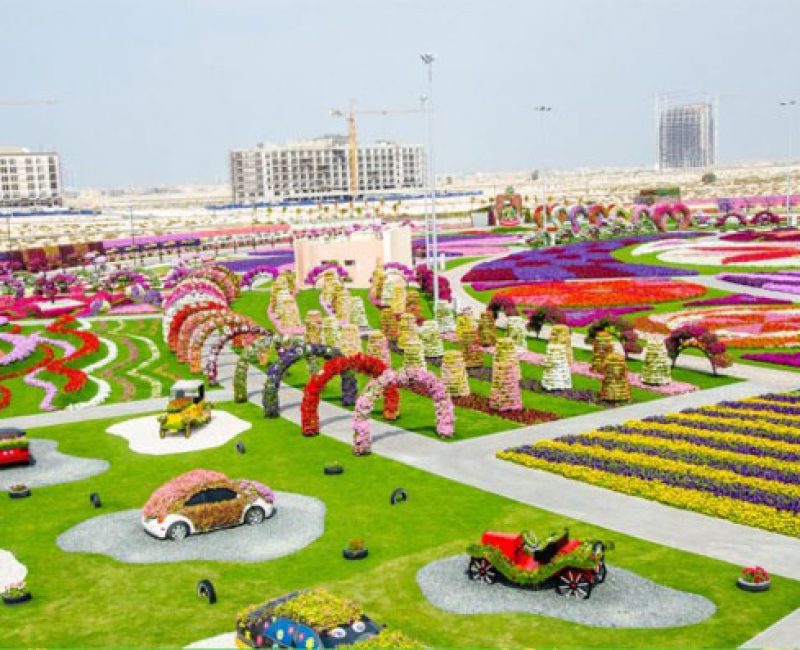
{"x":352,"y":142}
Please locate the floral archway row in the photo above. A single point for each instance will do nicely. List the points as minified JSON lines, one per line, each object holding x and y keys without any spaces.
{"x":731,"y":216}
{"x":191,"y":317}
{"x":222,"y":276}
{"x":195,"y":287}
{"x":677,"y":211}
{"x":225,"y":321}
{"x":249,"y":278}
{"x":698,"y":337}
{"x":358,"y":363}
{"x":765,"y":216}
{"x":228,"y":334}
{"x":313,"y":274}
{"x":407,"y":272}
{"x":124,"y":278}
{"x":9,"y":285}
{"x":418,"y":378}
{"x":290,"y":354}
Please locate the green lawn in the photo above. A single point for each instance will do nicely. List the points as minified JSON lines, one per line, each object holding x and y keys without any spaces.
{"x":85,"y":600}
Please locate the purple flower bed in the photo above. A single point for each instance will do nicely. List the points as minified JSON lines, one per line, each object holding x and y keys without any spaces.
{"x":784,"y":281}
{"x":736,"y":299}
{"x":582,"y":317}
{"x":583,"y":260}
{"x":253,"y":261}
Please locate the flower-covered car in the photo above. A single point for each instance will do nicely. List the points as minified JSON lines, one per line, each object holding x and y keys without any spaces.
{"x":570,"y":566}
{"x":202,"y":500}
{"x":187,"y":408}
{"x":312,"y":620}
{"x":14,"y":447}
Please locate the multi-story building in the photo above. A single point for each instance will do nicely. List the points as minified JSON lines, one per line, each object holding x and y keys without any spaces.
{"x":320,"y":168}
{"x":29,"y":179}
{"x":686,"y":136}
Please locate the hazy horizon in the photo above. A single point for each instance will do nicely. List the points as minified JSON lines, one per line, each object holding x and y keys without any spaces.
{"x":157,"y":93}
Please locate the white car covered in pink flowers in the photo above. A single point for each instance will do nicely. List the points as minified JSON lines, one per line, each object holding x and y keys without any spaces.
{"x":203,"y":500}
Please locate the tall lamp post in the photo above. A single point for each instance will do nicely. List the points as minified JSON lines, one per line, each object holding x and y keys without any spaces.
{"x":428,"y":59}
{"x":541,"y":111}
{"x":789,"y":104}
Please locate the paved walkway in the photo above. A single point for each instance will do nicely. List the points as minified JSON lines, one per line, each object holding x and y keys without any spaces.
{"x":783,"y":634}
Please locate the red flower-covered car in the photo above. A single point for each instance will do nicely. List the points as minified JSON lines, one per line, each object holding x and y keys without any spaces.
{"x":570,"y":566}
{"x":14,"y":447}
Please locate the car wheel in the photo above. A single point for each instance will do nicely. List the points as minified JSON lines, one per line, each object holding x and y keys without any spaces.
{"x":254,"y":516}
{"x":178,"y":531}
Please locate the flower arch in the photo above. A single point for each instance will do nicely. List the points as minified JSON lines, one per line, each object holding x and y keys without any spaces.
{"x":360,"y":363}
{"x":764,"y":216}
{"x":736,"y":216}
{"x":421,"y":381}
{"x":195,"y":287}
{"x":410,"y":276}
{"x":9,"y":285}
{"x":174,"y":323}
{"x":640,"y":211}
{"x":218,"y":320}
{"x":229,"y":333}
{"x":290,"y":354}
{"x":597,"y":214}
{"x":314,"y":273}
{"x":559,"y":213}
{"x":222,"y":276}
{"x":249,"y":278}
{"x":620,"y":329}
{"x":677,"y":211}
{"x":255,"y":352}
{"x":577,"y":210}
{"x":700,"y":338}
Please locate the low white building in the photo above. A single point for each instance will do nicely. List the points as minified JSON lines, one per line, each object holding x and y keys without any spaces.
{"x":320,"y":168}
{"x":28,"y":178}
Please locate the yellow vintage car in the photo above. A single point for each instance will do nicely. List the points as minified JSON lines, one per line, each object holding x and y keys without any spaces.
{"x":186,"y":408}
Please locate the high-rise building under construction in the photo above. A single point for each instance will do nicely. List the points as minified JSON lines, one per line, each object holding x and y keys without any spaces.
{"x":686,"y":134}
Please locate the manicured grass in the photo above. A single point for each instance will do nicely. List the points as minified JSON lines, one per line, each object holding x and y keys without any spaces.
{"x":83,"y":600}
{"x":455,"y":262}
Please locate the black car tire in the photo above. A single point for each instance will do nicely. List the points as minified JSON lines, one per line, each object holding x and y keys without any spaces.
{"x":398,"y":496}
{"x":178,"y":531}
{"x":255,"y":516}
{"x":205,"y":589}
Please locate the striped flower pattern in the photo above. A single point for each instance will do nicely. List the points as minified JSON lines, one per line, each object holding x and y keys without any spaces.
{"x":739,"y":460}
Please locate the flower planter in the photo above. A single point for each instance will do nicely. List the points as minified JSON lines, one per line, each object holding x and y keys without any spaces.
{"x":359,"y":554}
{"x":753,"y":586}
{"x":16,"y":600}
{"x":333,"y":469}
{"x":19,"y":494}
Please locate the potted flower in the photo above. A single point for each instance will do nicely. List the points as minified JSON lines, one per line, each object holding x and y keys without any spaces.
{"x":356,"y":549}
{"x":333,"y":468}
{"x":16,"y":593}
{"x":754,"y":578}
{"x":19,"y":491}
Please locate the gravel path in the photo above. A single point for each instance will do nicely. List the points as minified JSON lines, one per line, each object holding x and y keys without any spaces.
{"x":51,"y":467}
{"x":299,"y":521}
{"x":623,"y":600}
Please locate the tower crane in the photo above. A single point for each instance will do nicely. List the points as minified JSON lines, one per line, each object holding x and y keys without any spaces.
{"x":352,"y":142}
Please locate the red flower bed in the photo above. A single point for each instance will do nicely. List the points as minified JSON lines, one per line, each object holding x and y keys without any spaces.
{"x":523,"y":416}
{"x":76,"y":379}
{"x":595,"y":293}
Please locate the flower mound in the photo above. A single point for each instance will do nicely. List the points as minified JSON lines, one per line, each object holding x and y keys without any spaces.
{"x":734,"y":460}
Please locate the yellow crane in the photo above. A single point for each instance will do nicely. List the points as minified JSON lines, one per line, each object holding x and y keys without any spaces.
{"x":352,"y":141}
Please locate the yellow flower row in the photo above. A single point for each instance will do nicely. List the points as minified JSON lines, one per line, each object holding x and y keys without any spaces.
{"x":748,"y":514}
{"x":749,"y":414}
{"x":674,"y":466}
{"x":734,"y":438}
{"x":644,"y":440}
{"x":789,"y":431}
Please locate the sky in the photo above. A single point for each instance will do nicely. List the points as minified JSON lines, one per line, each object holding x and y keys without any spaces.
{"x":158,"y":91}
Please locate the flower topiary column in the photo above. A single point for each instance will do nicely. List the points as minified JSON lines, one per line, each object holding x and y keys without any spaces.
{"x":454,"y":374}
{"x":414,"y":304}
{"x":351,"y":340}
{"x":389,"y":325}
{"x":560,"y":334}
{"x":341,"y":303}
{"x":291,"y":280}
{"x":614,"y":386}
{"x":330,"y":280}
{"x":464,"y":324}
{"x":444,"y":316}
{"x":331,"y":332}
{"x":313,"y":333}
{"x":408,"y":329}
{"x":487,"y":331}
{"x":602,"y":346}
{"x":517,"y":332}
{"x":431,"y":339}
{"x":376,"y":285}
{"x":377,"y":346}
{"x":412,"y":353}
{"x":398,"y":303}
{"x":505,"y":393}
{"x":279,"y":284}
{"x":288,"y":311}
{"x":657,"y":370}
{"x":473,"y":352}
{"x":387,"y":290}
{"x":358,"y":315}
{"x":556,"y":374}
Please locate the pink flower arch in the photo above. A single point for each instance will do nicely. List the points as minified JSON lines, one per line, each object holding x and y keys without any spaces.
{"x":418,"y":379}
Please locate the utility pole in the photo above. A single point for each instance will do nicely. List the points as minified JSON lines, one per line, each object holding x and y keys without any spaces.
{"x":428,"y":59}
{"x":542,"y":111}
{"x":791,"y":106}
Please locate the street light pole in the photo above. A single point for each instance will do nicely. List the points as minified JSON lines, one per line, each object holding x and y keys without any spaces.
{"x":789,"y":104}
{"x":542,"y":111}
{"x":424,"y":100}
{"x":428,"y":59}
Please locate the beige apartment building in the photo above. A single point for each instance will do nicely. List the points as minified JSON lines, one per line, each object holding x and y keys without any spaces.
{"x":320,"y":168}
{"x":29,"y":179}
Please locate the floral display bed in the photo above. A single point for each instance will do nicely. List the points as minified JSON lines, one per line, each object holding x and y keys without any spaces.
{"x":784,"y":281}
{"x":754,"y":326}
{"x":715,"y":252}
{"x":734,"y":460}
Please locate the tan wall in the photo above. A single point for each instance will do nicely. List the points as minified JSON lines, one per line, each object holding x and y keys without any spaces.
{"x":364,"y":252}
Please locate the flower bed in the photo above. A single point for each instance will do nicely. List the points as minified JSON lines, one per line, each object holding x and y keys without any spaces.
{"x":606,"y":293}
{"x":578,"y":260}
{"x":583,"y":317}
{"x":713,"y":252}
{"x":735,"y":460}
{"x":786,"y":282}
{"x":791,"y":359}
{"x":736,"y":299}
{"x":744,"y":326}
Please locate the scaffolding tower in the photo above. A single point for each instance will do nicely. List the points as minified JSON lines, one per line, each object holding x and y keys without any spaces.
{"x":686,"y":131}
